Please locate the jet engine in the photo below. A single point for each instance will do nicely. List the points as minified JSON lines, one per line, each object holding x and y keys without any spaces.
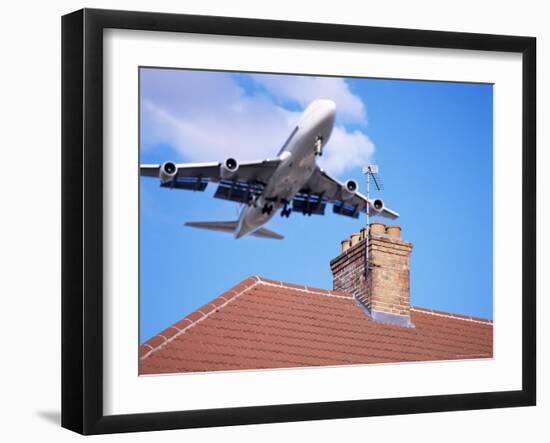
{"x":350,"y":188}
{"x":377,"y":205}
{"x":228,"y":168}
{"x":168,"y":172}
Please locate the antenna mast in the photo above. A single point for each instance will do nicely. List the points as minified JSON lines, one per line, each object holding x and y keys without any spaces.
{"x":371,"y":173}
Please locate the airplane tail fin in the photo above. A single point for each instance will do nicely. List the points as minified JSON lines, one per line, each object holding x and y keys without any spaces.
{"x":231,"y":226}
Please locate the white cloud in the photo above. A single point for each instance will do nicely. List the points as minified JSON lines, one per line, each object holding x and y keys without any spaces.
{"x":243,"y":131}
{"x":209,"y":117}
{"x":304,"y":89}
{"x":346,"y":150}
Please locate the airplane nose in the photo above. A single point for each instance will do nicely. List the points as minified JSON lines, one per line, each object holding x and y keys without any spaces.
{"x":321,"y":108}
{"x":329,"y":110}
{"x":330,"y":106}
{"x":327,"y":106}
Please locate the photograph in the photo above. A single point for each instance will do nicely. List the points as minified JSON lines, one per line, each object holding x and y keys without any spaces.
{"x":289,"y":221}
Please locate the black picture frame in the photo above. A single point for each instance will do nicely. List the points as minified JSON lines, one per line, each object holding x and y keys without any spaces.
{"x":82,"y":220}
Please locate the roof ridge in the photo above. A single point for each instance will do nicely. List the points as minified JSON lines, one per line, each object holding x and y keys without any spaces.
{"x":304,"y":288}
{"x":443,"y":314}
{"x":236,"y":291}
{"x":175,"y":330}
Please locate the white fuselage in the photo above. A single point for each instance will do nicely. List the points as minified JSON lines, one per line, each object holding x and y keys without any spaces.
{"x":298,"y":163}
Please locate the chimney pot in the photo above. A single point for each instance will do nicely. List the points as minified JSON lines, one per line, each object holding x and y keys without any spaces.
{"x":345,"y":245}
{"x":393,"y":231}
{"x":377,"y":228}
{"x":355,"y":237}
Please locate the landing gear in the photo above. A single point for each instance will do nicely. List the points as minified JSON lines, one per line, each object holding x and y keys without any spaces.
{"x":319,"y":146}
{"x":267,"y":209}
{"x":252,"y":200}
{"x":286,"y":210}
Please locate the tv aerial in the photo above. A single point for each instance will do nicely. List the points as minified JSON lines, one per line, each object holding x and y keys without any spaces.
{"x":372,"y":175}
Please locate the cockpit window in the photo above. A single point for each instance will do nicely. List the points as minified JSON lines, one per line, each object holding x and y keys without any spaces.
{"x":294,"y":131}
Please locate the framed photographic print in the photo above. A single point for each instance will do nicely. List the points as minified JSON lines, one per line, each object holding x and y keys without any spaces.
{"x":269,"y":221}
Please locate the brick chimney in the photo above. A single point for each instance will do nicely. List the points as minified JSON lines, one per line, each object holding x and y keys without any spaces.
{"x":383,"y":291}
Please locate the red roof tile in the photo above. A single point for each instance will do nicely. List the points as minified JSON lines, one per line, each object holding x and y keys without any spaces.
{"x":263,"y":323}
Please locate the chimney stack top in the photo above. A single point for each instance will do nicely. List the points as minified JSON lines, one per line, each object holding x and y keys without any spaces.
{"x":375,"y":228}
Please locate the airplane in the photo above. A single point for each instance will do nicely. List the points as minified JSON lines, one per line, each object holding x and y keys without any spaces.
{"x":290,"y":182}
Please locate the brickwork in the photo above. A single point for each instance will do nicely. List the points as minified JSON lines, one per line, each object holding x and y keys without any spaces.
{"x":348,"y":271}
{"x":385,"y":292}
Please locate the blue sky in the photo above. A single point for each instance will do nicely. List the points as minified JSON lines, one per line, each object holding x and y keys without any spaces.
{"x":433,"y":143}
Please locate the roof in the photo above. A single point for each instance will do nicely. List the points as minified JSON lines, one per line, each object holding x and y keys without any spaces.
{"x":263,"y":323}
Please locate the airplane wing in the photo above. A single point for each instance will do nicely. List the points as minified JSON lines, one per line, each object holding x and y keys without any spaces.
{"x":259,"y":171}
{"x":322,"y":188}
{"x":186,"y":169}
{"x":241,"y":185}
